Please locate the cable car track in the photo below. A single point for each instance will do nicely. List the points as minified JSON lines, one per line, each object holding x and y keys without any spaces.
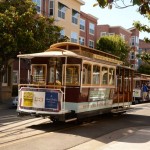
{"x":38,"y":127}
{"x":20,"y":130}
{"x":33,"y":127}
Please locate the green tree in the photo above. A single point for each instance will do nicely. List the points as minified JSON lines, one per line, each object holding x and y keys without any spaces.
{"x":143,"y":9}
{"x":120,"y":4}
{"x":115,"y":45}
{"x":145,"y":57}
{"x":22,"y":30}
{"x":145,"y":69}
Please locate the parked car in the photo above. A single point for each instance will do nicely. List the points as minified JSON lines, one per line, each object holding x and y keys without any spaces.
{"x":14,"y":101}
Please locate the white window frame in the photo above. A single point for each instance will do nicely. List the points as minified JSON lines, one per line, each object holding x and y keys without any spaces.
{"x":38,"y":5}
{"x":103,"y":34}
{"x":133,"y":41}
{"x":91,"y":28}
{"x":82,"y":24}
{"x":61,"y":10}
{"x":81,"y":40}
{"x":62,"y":33}
{"x":74,"y":37}
{"x":51,"y":8}
{"x":111,"y":34}
{"x":137,"y":40}
{"x":91,"y":43}
{"x":75,"y":15}
{"x":132,"y":55}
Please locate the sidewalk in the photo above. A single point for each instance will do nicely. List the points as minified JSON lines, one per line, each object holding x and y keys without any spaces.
{"x":124,"y":139}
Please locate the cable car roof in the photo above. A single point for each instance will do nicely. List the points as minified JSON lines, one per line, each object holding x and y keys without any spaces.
{"x":51,"y":53}
{"x":58,"y":52}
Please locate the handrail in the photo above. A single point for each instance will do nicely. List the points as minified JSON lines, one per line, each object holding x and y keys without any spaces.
{"x":41,"y":85}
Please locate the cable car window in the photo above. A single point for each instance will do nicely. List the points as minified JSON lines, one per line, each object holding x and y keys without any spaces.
{"x":55,"y":71}
{"x":39,"y":73}
{"x":111,"y":76}
{"x":86,"y":74}
{"x":72,"y":75}
{"x":137,"y":84}
{"x":104,"y":75}
{"x":126,"y":80}
{"x":96,"y":74}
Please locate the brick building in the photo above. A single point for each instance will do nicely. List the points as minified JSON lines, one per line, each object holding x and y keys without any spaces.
{"x":88,"y":30}
{"x":131,"y":36}
{"x":135,"y":47}
{"x":103,"y":30}
{"x":143,"y":48}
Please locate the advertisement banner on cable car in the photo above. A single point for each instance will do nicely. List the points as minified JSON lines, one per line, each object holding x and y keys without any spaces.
{"x":40,"y":98}
{"x":100,"y":94}
{"x":136,"y":92}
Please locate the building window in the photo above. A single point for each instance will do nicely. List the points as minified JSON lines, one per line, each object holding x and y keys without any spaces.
{"x":133,"y":41}
{"x":110,"y":33}
{"x":132,"y":55}
{"x":91,"y":28}
{"x":133,"y":66}
{"x":82,"y":24}
{"x":122,"y":36}
{"x":38,"y":5}
{"x":15,"y":77}
{"x":61,"y":10}
{"x":74,"y":37}
{"x":81,"y":40}
{"x":103,"y":34}
{"x":75,"y":16}
{"x":51,"y":8}
{"x":137,"y":40}
{"x":91,"y":44}
{"x":140,"y":50}
{"x":62,"y":33}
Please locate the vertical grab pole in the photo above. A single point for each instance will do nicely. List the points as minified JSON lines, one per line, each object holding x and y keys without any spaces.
{"x":65,"y":82}
{"x":18,"y":85}
{"x":81,"y":76}
{"x":19,"y":73}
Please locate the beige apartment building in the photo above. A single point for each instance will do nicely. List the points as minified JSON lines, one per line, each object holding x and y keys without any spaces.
{"x":66,"y":14}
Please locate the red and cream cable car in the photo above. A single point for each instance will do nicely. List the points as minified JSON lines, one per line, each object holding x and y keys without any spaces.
{"x":70,"y":81}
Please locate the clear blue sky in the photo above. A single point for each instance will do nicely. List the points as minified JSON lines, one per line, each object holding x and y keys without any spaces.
{"x":116,"y":17}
